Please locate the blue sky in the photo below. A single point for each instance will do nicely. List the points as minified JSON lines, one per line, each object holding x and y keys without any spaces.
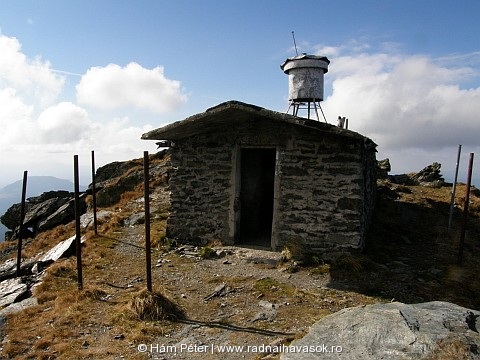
{"x":77,"y":76}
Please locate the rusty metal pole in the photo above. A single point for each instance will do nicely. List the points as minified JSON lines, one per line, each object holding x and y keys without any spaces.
{"x":78,"y":244}
{"x":147,"y":219}
{"x":454,"y":188}
{"x":465,"y":211}
{"x":22,"y":217}
{"x":94,"y":195}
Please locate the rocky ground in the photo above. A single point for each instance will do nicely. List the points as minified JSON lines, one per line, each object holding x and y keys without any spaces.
{"x":235,"y":296}
{"x":239,"y":296}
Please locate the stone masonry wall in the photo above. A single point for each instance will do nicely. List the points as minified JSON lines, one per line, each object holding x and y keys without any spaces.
{"x":200,"y":188}
{"x":323,"y":190}
{"x":322,"y":202}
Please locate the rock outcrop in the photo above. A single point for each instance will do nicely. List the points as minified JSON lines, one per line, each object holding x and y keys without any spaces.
{"x":383,"y":168}
{"x":428,"y":176}
{"x":16,"y":289}
{"x":55,"y":208}
{"x":42,"y":213}
{"x":393,"y":331}
{"x":116,"y":178}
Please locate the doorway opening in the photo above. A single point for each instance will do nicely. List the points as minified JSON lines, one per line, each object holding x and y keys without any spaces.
{"x":257,"y":178}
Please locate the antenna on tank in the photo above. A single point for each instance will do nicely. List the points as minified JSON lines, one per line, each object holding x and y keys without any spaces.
{"x":294,"y":42}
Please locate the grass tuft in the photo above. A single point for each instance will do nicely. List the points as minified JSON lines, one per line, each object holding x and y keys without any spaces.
{"x":153,"y":306}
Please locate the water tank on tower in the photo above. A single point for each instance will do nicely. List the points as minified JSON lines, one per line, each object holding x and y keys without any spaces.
{"x":305,"y":81}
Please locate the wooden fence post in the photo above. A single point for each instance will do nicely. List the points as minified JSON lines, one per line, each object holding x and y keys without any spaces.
{"x":452,"y":200}
{"x":147,"y":219}
{"x":78,"y":243}
{"x":22,"y":218}
{"x":465,"y":211}
{"x":94,"y":195}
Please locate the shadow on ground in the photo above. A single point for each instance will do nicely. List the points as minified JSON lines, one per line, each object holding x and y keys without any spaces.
{"x":411,"y":257}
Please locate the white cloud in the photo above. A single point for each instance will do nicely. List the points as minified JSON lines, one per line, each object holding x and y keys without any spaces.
{"x":64,"y":123}
{"x":14,"y":117}
{"x":41,"y":134}
{"x":405,"y":101}
{"x":417,"y":108}
{"x":30,"y":77}
{"x":113,"y":87}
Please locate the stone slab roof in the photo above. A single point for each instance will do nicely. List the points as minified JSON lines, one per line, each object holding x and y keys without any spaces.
{"x":226,"y":114}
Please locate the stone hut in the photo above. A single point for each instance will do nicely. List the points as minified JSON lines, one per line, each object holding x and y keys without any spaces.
{"x":245,"y":175}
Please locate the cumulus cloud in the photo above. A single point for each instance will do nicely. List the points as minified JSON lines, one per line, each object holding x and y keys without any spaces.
{"x":41,"y":131}
{"x":63,"y":123}
{"x":30,"y":77}
{"x":14,"y":116}
{"x":404,"y":101}
{"x":114,"y":86}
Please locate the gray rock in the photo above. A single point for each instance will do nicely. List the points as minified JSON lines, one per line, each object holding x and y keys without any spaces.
{"x":430,"y":174}
{"x":50,"y":195}
{"x":390,"y":331}
{"x":44,"y":212}
{"x":383,"y":168}
{"x":59,"y":215}
{"x":11,"y":290}
{"x":134,"y":219}
{"x":19,"y":306}
{"x":9,"y":268}
{"x":86,"y":219}
{"x":63,"y":248}
{"x":265,"y":315}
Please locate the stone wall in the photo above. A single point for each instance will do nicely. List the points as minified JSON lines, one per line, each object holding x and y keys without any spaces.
{"x":322,"y":201}
{"x":324,"y":189}
{"x":200,"y":192}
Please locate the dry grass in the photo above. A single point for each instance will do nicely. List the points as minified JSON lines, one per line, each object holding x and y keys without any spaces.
{"x":154,"y":306}
{"x":47,"y":239}
{"x":453,"y":349}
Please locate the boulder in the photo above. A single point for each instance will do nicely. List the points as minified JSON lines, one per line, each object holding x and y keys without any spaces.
{"x":35,"y":207}
{"x":383,"y":168}
{"x":392,"y":331}
{"x":86,"y":219}
{"x":116,"y":169}
{"x":62,"y":215}
{"x":50,"y":195}
{"x":43,"y":212}
{"x":430,"y":176}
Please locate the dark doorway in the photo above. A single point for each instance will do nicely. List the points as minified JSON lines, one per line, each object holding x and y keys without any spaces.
{"x":256,"y":196}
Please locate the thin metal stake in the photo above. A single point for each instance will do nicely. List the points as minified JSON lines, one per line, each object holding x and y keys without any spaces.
{"x":78,"y":243}
{"x":454,"y":188}
{"x":147,"y":220}
{"x":94,"y":195}
{"x":465,"y":211}
{"x":22,"y":217}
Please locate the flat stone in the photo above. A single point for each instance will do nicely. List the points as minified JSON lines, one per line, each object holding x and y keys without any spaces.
{"x":11,"y":290}
{"x":61,"y":249}
{"x":19,"y":306}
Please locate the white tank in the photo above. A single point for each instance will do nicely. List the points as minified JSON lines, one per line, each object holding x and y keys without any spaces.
{"x":305,"y":77}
